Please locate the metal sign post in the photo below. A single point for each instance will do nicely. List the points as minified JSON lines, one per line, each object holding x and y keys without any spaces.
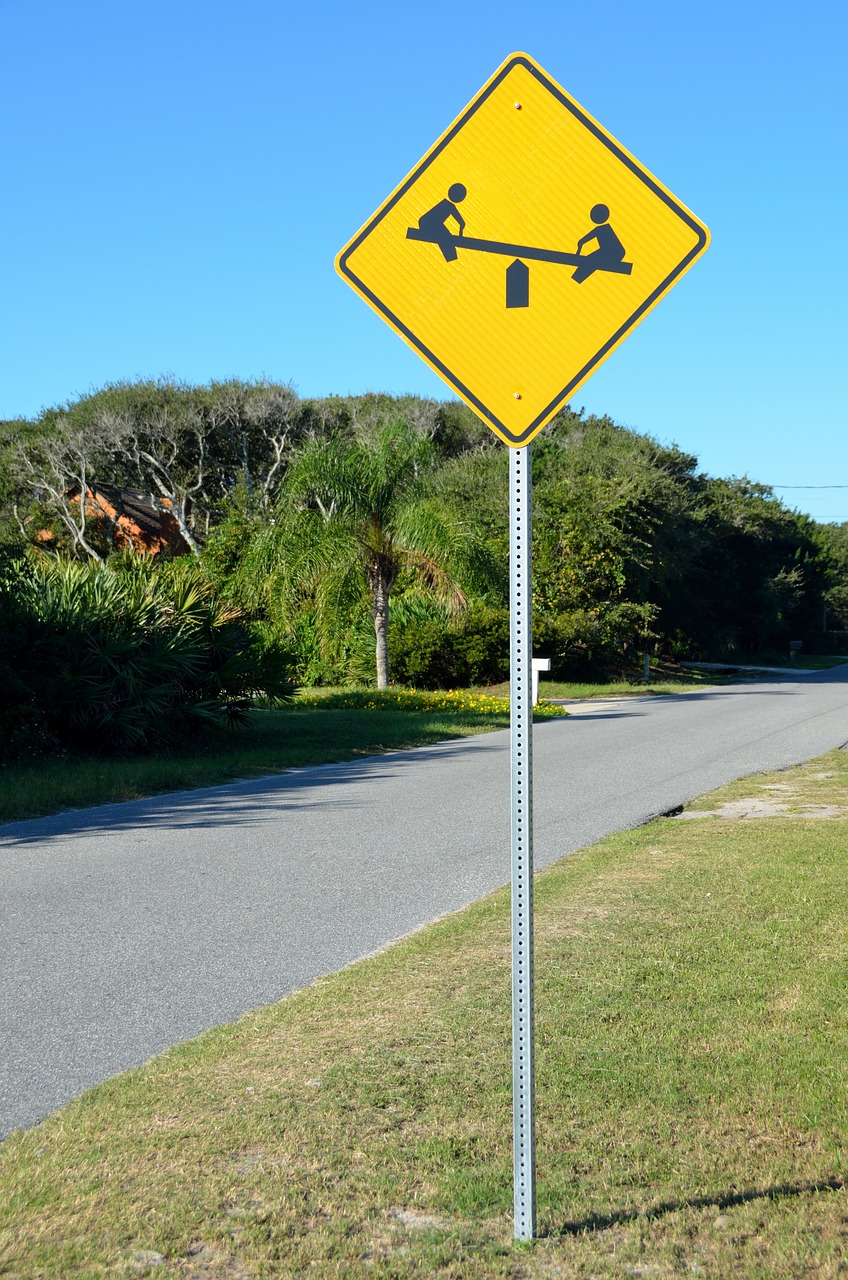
{"x":521,"y":767}
{"x":523,"y":173}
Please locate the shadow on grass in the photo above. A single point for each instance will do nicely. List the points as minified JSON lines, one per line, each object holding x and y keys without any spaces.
{"x":603,"y":1221}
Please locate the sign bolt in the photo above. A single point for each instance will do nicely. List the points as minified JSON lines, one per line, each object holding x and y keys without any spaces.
{"x":517,"y":106}
{"x":518,"y":395}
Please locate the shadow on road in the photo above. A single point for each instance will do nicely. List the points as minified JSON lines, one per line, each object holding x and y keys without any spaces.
{"x":256,"y":801}
{"x":241,"y":803}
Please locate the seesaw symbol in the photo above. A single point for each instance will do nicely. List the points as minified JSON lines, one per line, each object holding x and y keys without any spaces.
{"x":608,"y":255}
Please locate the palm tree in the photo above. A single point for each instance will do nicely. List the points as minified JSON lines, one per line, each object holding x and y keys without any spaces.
{"x":353,"y":516}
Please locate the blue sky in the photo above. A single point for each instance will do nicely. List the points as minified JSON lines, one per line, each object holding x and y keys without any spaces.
{"x":179,"y":177}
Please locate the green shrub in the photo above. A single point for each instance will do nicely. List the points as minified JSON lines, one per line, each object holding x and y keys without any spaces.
{"x":589,"y":643}
{"x":433,"y":653}
{"x":123,"y":657}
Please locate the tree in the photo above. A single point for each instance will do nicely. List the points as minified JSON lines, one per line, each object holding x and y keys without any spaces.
{"x":759,"y":570}
{"x":147,"y":435}
{"x":187,"y":449}
{"x":355,"y":517}
{"x":57,"y":473}
{"x":832,"y":539}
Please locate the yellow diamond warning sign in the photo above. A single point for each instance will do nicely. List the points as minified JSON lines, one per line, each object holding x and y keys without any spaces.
{"x":521,"y":250}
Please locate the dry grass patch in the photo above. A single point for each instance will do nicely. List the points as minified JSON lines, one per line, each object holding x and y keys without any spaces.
{"x":823,"y":781}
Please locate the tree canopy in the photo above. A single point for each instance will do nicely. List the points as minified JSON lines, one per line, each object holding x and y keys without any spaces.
{"x":317,"y":516}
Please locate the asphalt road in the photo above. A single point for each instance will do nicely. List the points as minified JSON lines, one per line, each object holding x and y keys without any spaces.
{"x":127,"y":928}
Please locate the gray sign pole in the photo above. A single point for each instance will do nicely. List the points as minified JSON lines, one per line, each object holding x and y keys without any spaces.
{"x":521,"y":763}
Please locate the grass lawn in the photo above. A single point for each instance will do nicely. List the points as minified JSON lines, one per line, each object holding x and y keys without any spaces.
{"x":813,"y":662}
{"x":664,"y":680}
{"x":692,"y":1041}
{"x":624,"y":688}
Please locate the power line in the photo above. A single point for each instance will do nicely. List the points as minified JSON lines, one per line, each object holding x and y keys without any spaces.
{"x":808,"y":486}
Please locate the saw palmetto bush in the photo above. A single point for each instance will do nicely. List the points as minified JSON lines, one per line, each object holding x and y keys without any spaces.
{"x":123,"y":657}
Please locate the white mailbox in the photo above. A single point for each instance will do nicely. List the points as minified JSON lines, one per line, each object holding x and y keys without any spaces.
{"x":539,"y":664}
